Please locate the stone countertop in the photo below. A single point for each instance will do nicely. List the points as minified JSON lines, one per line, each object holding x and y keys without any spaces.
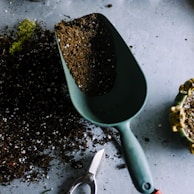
{"x":160,"y":34}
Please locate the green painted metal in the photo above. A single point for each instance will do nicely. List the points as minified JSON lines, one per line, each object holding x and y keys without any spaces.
{"x":118,"y":107}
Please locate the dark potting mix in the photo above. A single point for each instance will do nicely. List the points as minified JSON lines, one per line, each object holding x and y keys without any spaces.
{"x":36,"y":113}
{"x":88,"y":50}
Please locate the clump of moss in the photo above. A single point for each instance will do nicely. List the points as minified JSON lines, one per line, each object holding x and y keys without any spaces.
{"x":25,"y":31}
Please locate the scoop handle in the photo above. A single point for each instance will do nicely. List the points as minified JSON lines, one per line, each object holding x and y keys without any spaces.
{"x":135,"y":159}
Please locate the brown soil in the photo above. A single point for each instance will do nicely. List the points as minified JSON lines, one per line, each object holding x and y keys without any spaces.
{"x":88,"y":50}
{"x":36,"y":113}
{"x":188,"y":108}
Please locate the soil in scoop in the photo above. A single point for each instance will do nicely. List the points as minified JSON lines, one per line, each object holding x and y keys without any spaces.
{"x":88,"y":50}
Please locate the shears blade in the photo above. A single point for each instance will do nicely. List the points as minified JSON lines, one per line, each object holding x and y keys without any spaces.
{"x":96,"y":162}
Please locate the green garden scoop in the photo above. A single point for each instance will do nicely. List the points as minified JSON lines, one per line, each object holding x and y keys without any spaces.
{"x":117,"y":108}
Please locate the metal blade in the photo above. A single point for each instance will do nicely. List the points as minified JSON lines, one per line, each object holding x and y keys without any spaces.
{"x":96,"y":162}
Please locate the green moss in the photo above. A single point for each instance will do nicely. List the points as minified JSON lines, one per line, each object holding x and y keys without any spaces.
{"x":16,"y":46}
{"x":25,"y":31}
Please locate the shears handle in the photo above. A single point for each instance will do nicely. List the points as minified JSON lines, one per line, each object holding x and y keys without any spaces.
{"x":88,"y":179}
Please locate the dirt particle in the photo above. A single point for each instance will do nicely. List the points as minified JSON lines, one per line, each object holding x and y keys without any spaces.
{"x":109,"y":5}
{"x":147,"y":139}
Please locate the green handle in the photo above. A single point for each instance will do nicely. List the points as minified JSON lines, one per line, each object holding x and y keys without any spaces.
{"x":135,"y":159}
